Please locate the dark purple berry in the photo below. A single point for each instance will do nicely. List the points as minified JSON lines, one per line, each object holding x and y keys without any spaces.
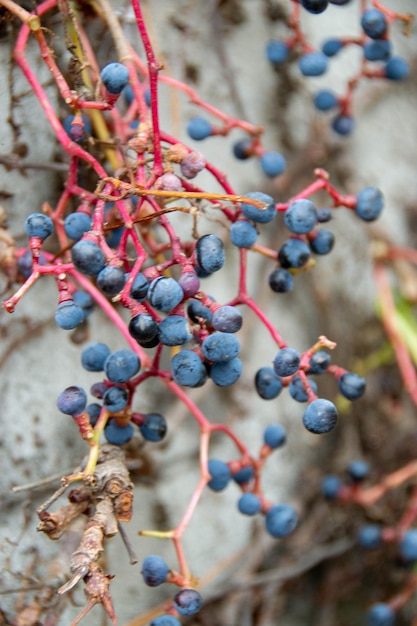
{"x":188,"y":601}
{"x":72,"y":401}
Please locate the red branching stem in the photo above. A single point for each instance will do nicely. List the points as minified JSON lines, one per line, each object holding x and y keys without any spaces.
{"x":265,"y":321}
{"x":410,"y":513}
{"x":388,"y":315}
{"x":218,"y":175}
{"x":227,"y":431}
{"x":69,"y":146}
{"x":198,"y":415}
{"x":229,"y":121}
{"x":243,"y":257}
{"x":408,"y":254}
{"x":153,"y":68}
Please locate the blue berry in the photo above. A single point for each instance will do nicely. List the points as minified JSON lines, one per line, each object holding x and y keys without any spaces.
{"x":374,"y":23}
{"x":76,"y":224}
{"x":165,"y":294}
{"x":76,"y":131}
{"x":165,"y":620}
{"x":145,"y":330}
{"x":111,"y":280}
{"x":243,"y":234}
{"x":323,"y":241}
{"x":226,"y":373}
{"x":249,"y":504}
{"x":408,"y":545}
{"x":275,"y":435}
{"x":187,"y":369}
{"x":189,"y":283}
{"x":314,"y":6}
{"x":331,"y":47}
{"x":201,"y":273}
{"x":174,"y":331}
{"x":343,"y":124}
{"x":287,"y":362}
{"x":397,"y":68}
{"x":300,"y":217}
{"x":277,"y":52}
{"x":139,"y":287}
{"x":297,"y":390}
{"x":281,"y":520}
{"x":94,"y":356}
{"x":121,"y":365}
{"x":358,"y":470}
{"x":220,"y":475}
{"x":280,"y":280}
{"x":324,"y":100}
{"x":115,"y":77}
{"x":118,"y":435}
{"x":147,"y":96}
{"x":113,"y":235}
{"x":272,"y":163}
{"x":351,"y":385}
{"x":313,"y":64}
{"x":38,"y":225}
{"x":93,"y":410}
{"x":377,"y":50}
{"x":370,"y":203}
{"x":227,"y":319}
{"x":154,"y":570}
{"x":87,"y":257}
{"x":339,"y":2}
{"x":319,"y":362}
{"x":242,"y":149}
{"x":128,"y":94}
{"x":25,"y":263}
{"x":85,"y":301}
{"x":331,"y":486}
{"x":369,"y":536}
{"x":188,"y":601}
{"x":320,"y":416}
{"x":268,"y":384}
{"x":154,"y":427}
{"x":244,"y":475}
{"x":72,"y":401}
{"x":199,"y":128}
{"x":98,"y":389}
{"x":198,"y":312}
{"x":115,"y":399}
{"x":220,"y":347}
{"x":69,"y":315}
{"x":324,"y":215}
{"x":261,"y":216}
{"x":380,"y":614}
{"x":209,"y":253}
{"x":294,"y":254}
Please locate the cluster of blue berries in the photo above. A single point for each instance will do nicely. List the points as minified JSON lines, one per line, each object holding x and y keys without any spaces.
{"x":115,"y":392}
{"x":371,"y":536}
{"x":187,"y":601}
{"x":272,"y":163}
{"x":320,"y":415}
{"x":377,"y":53}
{"x":159,"y":315}
{"x":280,"y":519}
